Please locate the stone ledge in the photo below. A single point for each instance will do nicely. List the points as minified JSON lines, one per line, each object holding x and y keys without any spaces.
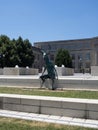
{"x":72,"y":107}
{"x":18,"y":71}
{"x":34,"y":82}
{"x":50,"y":118}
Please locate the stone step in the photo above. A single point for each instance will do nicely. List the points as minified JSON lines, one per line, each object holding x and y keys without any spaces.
{"x":50,"y":118}
{"x":72,"y":82}
{"x":71,"y":107}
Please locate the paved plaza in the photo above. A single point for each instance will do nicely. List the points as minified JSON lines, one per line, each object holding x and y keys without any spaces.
{"x":75,"y":76}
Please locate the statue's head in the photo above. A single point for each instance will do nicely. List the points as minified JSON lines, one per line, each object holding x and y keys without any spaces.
{"x":46,"y":58}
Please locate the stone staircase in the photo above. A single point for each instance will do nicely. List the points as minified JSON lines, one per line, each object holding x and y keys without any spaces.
{"x":71,"y":111}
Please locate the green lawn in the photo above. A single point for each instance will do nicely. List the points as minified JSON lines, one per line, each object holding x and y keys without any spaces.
{"x":17,"y":124}
{"x":56,"y":93}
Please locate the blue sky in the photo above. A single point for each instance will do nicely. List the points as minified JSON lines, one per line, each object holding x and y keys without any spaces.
{"x":49,"y":20}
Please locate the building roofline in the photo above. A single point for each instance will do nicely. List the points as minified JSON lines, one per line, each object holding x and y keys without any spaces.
{"x":57,"y":41}
{"x":36,"y":48}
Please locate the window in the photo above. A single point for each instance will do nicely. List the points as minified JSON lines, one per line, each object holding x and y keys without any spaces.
{"x":73,"y":56}
{"x":80,"y":58}
{"x":87,"y":65}
{"x":87,"y":56}
{"x":73,"y":64}
{"x":37,"y":56}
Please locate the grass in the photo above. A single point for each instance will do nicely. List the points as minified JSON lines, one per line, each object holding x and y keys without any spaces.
{"x":45,"y":92}
{"x":17,"y":124}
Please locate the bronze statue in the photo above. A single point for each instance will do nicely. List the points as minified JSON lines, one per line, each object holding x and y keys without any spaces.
{"x":51,"y":71}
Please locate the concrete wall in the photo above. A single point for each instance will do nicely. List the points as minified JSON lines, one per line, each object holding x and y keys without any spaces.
{"x":19,"y":71}
{"x":34,"y":82}
{"x":10,"y":71}
{"x":1,"y":71}
{"x":31,"y":71}
{"x":19,"y":82}
{"x":94,"y":70}
{"x":71,"y":107}
{"x":64,"y":71}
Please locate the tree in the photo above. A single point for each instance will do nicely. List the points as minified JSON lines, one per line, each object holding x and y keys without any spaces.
{"x":15,"y":52}
{"x":11,"y":55}
{"x":25,"y":52}
{"x":4,"y":42}
{"x":63,"y":58}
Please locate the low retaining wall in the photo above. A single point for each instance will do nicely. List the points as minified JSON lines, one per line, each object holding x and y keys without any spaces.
{"x":20,"y":81}
{"x":19,"y":71}
{"x":94,"y":70}
{"x":63,"y":71}
{"x":1,"y":71}
{"x":71,"y":107}
{"x":90,"y":84}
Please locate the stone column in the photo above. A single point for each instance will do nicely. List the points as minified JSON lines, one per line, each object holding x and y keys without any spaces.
{"x":94,"y":58}
{"x":76,"y":62}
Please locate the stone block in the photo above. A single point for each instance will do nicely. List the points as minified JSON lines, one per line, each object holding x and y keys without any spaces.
{"x":92,"y":107}
{"x":10,"y":71}
{"x":93,"y":115}
{"x":94,"y":70}
{"x":74,"y":105}
{"x":27,"y":108}
{"x":1,"y":103}
{"x":69,"y":83}
{"x":19,"y":82}
{"x":52,"y":104}
{"x":8,"y":107}
{"x":51,"y":111}
{"x":73,"y":113}
{"x":31,"y":71}
{"x":9,"y":100}
{"x":29,"y":102}
{"x":63,"y":71}
{"x":22,"y":108}
{"x":19,"y":71}
{"x":1,"y":71}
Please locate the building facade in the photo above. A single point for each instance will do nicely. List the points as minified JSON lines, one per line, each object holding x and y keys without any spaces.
{"x":84,"y":52}
{"x":38,"y":58}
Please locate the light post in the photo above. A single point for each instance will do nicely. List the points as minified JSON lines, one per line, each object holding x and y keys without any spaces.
{"x":80,"y":64}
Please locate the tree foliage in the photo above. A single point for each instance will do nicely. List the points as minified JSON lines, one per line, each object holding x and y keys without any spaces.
{"x":15,"y":52}
{"x":63,"y":58}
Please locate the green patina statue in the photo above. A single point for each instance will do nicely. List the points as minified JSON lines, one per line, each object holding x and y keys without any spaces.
{"x":51,"y":71}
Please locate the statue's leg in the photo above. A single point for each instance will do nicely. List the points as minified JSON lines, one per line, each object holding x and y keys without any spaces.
{"x":53,"y":88}
{"x":54,"y":83}
{"x":43,"y":78}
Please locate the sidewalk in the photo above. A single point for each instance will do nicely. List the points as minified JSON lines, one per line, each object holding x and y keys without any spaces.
{"x":50,"y":118}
